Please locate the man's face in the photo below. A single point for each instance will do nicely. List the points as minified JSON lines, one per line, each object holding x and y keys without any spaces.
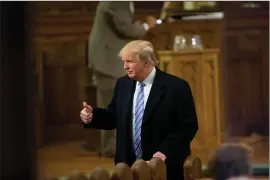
{"x":134,"y":67}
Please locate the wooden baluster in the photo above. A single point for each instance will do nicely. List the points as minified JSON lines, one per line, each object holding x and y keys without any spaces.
{"x":192,"y":168}
{"x":121,"y":172}
{"x":99,"y":174}
{"x":141,"y":170}
{"x":158,"y":169}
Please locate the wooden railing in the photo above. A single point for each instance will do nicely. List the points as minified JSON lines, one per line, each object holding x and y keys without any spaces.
{"x":155,"y":169}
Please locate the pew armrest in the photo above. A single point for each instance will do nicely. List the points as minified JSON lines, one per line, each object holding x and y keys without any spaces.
{"x":193,"y":168}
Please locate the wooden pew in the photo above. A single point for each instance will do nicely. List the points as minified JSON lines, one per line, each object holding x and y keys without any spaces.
{"x":193,"y":168}
{"x":155,"y":169}
{"x":121,"y":172}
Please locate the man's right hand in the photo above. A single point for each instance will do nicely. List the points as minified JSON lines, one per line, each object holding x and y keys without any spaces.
{"x":151,"y":21}
{"x":87,"y":113}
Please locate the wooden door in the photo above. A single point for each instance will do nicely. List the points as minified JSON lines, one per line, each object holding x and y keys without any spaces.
{"x":62,"y":83}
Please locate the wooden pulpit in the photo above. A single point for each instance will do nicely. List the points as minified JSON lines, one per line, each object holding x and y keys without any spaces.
{"x":200,"y":68}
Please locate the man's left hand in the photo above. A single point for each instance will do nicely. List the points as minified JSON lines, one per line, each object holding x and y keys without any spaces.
{"x":160,"y":155}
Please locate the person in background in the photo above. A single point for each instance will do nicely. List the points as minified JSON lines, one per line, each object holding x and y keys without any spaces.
{"x":153,"y":112}
{"x":113,"y":27}
{"x":231,"y":161}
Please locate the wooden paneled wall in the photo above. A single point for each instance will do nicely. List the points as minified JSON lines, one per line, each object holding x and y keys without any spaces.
{"x":66,"y":20}
{"x":245,"y":50}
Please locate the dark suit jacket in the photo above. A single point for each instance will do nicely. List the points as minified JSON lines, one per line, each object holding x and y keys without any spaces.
{"x":169,"y":122}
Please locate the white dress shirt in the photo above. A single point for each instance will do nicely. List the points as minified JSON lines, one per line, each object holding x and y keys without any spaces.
{"x":148,"y":85}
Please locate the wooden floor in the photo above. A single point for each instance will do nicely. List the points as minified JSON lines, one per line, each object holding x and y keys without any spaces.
{"x":61,"y":158}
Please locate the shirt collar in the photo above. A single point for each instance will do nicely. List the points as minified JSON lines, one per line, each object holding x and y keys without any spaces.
{"x":150,"y":78}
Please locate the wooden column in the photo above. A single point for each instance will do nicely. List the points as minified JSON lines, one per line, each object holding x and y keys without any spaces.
{"x":17,"y":136}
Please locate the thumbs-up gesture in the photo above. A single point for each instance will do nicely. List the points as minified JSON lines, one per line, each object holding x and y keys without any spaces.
{"x":86,"y":114}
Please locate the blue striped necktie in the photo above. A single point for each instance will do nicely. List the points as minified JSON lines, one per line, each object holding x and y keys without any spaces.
{"x":139,"y":111}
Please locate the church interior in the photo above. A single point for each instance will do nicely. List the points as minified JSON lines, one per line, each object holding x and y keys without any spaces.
{"x":45,"y":79}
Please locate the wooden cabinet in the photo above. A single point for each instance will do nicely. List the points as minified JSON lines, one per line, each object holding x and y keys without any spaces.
{"x":200,"y":68}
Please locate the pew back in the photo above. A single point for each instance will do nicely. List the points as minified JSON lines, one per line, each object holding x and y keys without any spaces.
{"x":155,"y":169}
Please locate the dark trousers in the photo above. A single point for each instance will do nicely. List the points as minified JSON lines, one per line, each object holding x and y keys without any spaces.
{"x":175,"y":172}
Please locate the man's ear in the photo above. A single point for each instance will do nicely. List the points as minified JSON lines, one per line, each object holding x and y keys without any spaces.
{"x":146,"y":63}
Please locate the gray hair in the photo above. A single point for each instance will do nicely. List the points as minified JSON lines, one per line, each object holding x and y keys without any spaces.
{"x":142,"y":50}
{"x":230,"y":160}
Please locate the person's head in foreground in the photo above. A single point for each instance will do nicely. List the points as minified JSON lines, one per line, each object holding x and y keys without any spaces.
{"x":139,"y":59}
{"x":231,"y":161}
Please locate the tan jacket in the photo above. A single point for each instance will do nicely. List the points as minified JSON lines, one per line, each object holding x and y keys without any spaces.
{"x":113,"y":28}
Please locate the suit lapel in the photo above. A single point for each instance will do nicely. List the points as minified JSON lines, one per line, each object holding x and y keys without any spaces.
{"x":155,"y":95}
{"x":128,"y":99}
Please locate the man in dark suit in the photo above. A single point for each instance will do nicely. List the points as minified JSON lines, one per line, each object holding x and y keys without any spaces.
{"x":113,"y":27}
{"x":153,"y":112}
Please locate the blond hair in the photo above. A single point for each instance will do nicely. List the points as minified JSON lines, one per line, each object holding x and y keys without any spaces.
{"x":142,"y":50}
